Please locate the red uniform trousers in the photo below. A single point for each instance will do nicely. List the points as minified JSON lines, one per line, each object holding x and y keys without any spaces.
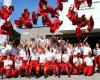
{"x":37,"y":68}
{"x":25,"y":67}
{"x":88,"y":70}
{"x":32,"y":65}
{"x":77,"y":69}
{"x":57,"y":68}
{"x":84,"y":56}
{"x":1,"y":66}
{"x":68,"y":67}
{"x":71,"y":59}
{"x":61,"y":65}
{"x":47,"y":67}
{"x":12,"y":57}
{"x":7,"y":71}
{"x":97,"y":61}
{"x":17,"y":72}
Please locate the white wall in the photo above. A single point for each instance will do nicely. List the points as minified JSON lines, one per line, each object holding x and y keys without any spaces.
{"x":84,"y":9}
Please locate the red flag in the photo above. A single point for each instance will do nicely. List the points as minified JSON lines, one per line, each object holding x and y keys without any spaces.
{"x":42,"y":12}
{"x":4,"y":13}
{"x":42,"y":3}
{"x":4,"y":32}
{"x":89,"y":2}
{"x":59,"y":5}
{"x":11,"y":9}
{"x":44,"y":21}
{"x":50,"y":9}
{"x":74,"y":16}
{"x":82,"y":24}
{"x":28,"y":25}
{"x":69,"y":12}
{"x":34,"y":18}
{"x":7,"y":26}
{"x":77,"y":4}
{"x":25,"y":16}
{"x":53,"y":29}
{"x":19,"y":23}
{"x":78,"y":33}
{"x":90,"y":24}
{"x":56,"y":24}
{"x":64,"y":0}
{"x":49,"y":23}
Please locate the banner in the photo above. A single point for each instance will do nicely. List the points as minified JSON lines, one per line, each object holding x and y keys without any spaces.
{"x":7,"y":3}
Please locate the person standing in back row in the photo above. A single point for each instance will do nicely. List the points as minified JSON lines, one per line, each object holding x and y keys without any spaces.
{"x":96,"y":53}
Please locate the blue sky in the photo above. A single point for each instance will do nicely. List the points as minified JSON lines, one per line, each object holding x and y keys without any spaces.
{"x":32,"y":5}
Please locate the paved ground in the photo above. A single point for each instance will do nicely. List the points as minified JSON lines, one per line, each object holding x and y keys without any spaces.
{"x":96,"y":76}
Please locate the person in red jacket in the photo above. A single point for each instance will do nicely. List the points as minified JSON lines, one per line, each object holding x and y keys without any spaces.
{"x":96,"y":53}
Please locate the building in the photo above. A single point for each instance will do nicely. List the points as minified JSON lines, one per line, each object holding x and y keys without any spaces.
{"x":36,"y":32}
{"x":67,"y":30}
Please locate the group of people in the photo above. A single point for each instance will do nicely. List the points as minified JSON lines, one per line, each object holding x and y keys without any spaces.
{"x":48,"y":57}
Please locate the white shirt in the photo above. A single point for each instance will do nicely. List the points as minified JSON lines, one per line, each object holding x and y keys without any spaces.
{"x":9,"y":47}
{"x":77,"y":60}
{"x":76,"y":50}
{"x":18,"y":63}
{"x":42,"y":58}
{"x":57,"y":57}
{"x":24,"y":55}
{"x":7,"y":63}
{"x":69,"y":51}
{"x":49,"y":56}
{"x":54,"y":50}
{"x":86,"y":50}
{"x":14,"y":51}
{"x":96,"y":51}
{"x":34,"y":56}
{"x":65,"y":58}
{"x":21,"y":53}
{"x":89,"y":61}
{"x":5,"y":51}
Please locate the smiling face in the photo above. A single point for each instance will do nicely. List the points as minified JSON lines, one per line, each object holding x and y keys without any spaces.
{"x":97,"y":45}
{"x":4,"y":44}
{"x":86,"y":44}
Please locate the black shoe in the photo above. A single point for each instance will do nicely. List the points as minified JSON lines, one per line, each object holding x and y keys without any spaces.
{"x":45,"y":76}
{"x":1,"y":77}
{"x":58,"y":76}
{"x":69,"y":75}
{"x":85,"y":75}
{"x":37,"y":76}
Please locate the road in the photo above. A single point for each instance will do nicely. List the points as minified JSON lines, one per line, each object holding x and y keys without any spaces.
{"x":96,"y":76}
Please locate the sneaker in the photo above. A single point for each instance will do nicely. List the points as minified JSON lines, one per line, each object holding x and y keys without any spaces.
{"x":58,"y":76}
{"x":19,"y":76}
{"x":69,"y":75}
{"x":45,"y":76}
